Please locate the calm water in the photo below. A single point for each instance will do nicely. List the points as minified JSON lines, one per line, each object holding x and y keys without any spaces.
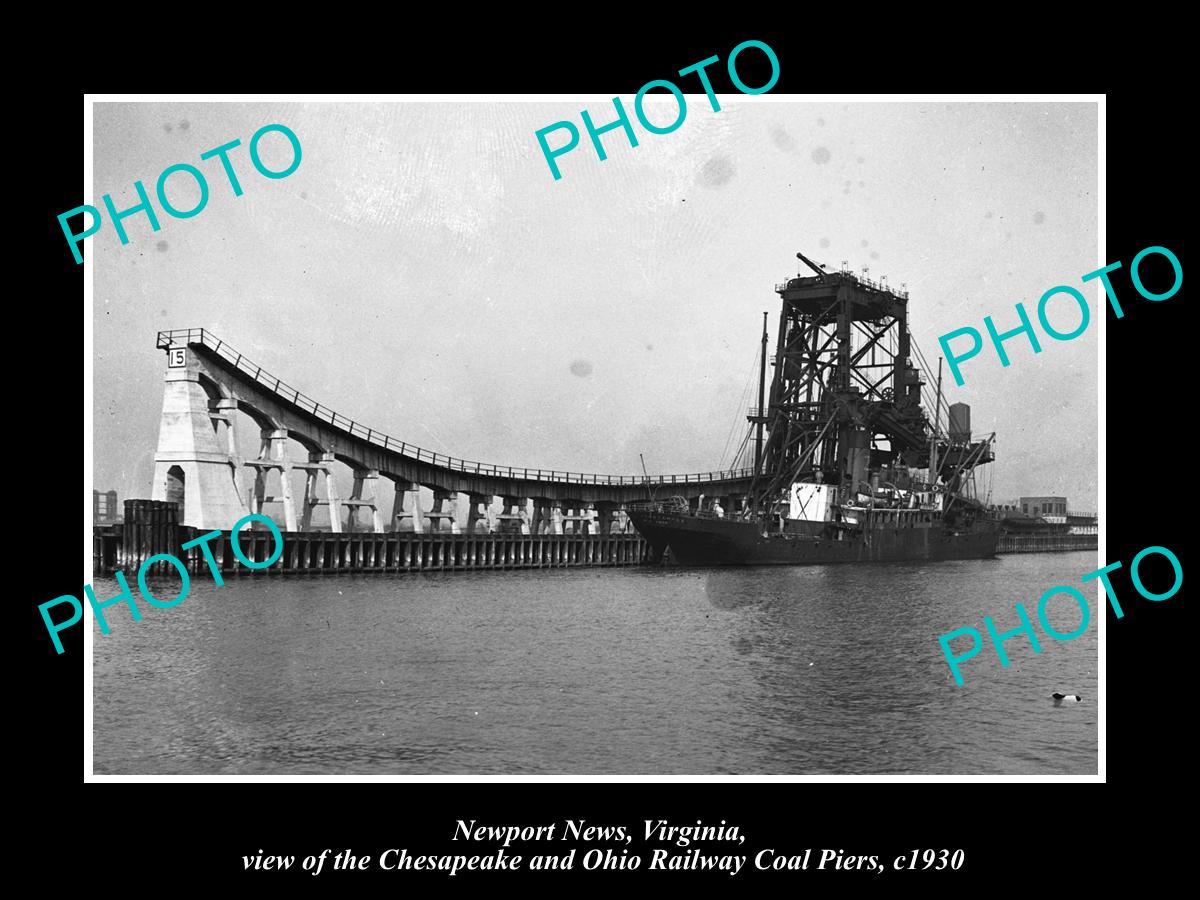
{"x":621,"y":671}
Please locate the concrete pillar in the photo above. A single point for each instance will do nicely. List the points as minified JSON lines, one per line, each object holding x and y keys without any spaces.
{"x":606,"y":521}
{"x":576,"y":517}
{"x":409,"y":519}
{"x":222,"y":418}
{"x":188,"y":444}
{"x":514,"y":517}
{"x":273,"y":449}
{"x":550,"y":516}
{"x":331,"y":492}
{"x":364,"y":494}
{"x":258,"y":492}
{"x":310,"y":498}
{"x":319,"y":465}
{"x":444,"y":514}
{"x":289,"y":504}
{"x":479,"y":517}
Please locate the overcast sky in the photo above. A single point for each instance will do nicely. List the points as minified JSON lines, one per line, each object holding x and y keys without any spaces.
{"x":424,"y":274}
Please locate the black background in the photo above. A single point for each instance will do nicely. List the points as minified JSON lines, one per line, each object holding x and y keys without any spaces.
{"x":1030,"y":835}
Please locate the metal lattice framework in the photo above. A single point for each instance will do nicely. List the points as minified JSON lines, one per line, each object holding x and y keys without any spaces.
{"x":845,"y":396}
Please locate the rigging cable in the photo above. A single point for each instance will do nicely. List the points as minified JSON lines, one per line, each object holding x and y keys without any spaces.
{"x":929,"y":378}
{"x":742,"y":405}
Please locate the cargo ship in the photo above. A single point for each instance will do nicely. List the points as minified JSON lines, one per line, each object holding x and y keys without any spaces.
{"x":848,"y":464}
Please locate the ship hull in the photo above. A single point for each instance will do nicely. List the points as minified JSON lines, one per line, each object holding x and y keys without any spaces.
{"x":699,"y":541}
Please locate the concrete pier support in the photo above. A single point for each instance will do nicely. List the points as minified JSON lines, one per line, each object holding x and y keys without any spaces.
{"x":443,"y":517}
{"x":193,"y":465}
{"x":310,"y":499}
{"x":273,"y":457}
{"x":576,"y":517}
{"x":514,"y":517}
{"x":222,"y":419}
{"x":363,"y":497}
{"x":479,"y":517}
{"x":318,"y":465}
{"x":606,"y":521}
{"x":406,"y":509}
{"x":547,"y":516}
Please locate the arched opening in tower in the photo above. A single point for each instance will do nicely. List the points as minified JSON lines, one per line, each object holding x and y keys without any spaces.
{"x":175,"y":492}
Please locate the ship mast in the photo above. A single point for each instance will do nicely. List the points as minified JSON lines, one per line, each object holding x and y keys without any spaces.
{"x":937,"y":424}
{"x":761,"y":417}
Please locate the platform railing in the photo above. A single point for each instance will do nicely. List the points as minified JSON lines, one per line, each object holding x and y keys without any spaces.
{"x":289,"y":394}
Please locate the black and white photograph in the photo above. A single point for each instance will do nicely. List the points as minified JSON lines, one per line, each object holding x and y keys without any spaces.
{"x":681,"y":434}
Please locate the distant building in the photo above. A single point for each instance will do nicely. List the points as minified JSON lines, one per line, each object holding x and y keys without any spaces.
{"x":1043,"y":506}
{"x":104,"y":508}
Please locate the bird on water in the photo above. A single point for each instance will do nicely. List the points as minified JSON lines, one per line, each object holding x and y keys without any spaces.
{"x":1069,"y":698}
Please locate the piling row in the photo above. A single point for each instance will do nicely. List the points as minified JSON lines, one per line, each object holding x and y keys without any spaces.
{"x":1045,"y":543}
{"x":151,"y":528}
{"x":319,"y":552}
{"x":399,"y":552}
